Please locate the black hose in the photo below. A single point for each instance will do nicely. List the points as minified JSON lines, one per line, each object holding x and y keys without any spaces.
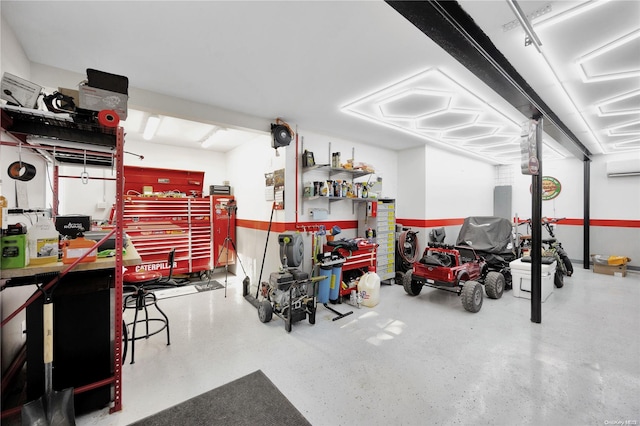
{"x":411,"y":257}
{"x":264,"y":255}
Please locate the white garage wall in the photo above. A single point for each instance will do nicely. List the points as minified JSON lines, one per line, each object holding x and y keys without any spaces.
{"x":457,"y":186}
{"x":249,"y":163}
{"x":412,"y":184}
{"x":79,"y":198}
{"x":437,"y":186}
{"x":384,"y":161}
{"x":616,"y":199}
{"x":14,"y":61}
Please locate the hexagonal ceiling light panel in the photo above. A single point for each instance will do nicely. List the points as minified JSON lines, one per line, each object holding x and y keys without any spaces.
{"x":444,"y":120}
{"x":414,"y":103}
{"x":436,"y":108}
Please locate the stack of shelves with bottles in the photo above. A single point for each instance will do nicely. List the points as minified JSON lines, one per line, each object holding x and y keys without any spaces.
{"x":338,"y":180}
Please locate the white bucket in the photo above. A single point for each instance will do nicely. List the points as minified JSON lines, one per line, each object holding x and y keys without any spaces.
{"x":369,"y":288}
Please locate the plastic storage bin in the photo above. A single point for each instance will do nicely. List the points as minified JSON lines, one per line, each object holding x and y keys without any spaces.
{"x":521,"y":275}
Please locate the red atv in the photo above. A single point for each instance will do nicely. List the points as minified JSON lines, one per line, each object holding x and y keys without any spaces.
{"x":460,"y":269}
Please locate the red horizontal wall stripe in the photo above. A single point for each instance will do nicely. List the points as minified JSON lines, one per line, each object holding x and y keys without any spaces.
{"x":614,"y":222}
{"x":434,"y":223}
{"x":416,"y":223}
{"x":429,"y":223}
{"x":288,"y":226}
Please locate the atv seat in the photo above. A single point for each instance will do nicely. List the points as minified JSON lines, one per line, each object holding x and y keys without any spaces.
{"x":437,"y":235}
{"x":438,"y":259}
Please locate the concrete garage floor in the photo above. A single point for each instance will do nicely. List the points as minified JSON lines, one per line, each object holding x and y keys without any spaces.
{"x":410,"y":360}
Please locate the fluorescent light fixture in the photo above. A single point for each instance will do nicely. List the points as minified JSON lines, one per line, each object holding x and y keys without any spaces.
{"x":151,"y":127}
{"x":211,"y":139}
{"x":526,"y":25}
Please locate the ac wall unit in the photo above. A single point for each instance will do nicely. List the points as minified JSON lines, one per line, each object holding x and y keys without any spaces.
{"x":622,"y":168}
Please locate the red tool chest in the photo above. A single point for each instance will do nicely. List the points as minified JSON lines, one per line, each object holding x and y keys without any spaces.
{"x":156,"y":225}
{"x":364,"y":259}
{"x":165,"y":209}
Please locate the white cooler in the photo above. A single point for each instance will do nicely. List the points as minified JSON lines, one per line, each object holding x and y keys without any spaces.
{"x":521,"y":276}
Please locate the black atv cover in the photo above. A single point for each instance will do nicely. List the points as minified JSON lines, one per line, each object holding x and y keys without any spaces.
{"x":487,"y":235}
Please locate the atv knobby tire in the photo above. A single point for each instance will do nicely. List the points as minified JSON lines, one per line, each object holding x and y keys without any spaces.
{"x":472,"y":296}
{"x":494,"y":285}
{"x":410,"y":286}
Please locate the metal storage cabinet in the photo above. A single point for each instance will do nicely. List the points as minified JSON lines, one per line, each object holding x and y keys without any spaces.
{"x":380,"y":216}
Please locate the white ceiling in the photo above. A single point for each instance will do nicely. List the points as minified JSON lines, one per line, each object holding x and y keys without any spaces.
{"x":343,"y":68}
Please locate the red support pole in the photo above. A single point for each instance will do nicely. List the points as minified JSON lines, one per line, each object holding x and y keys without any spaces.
{"x":119,"y":213}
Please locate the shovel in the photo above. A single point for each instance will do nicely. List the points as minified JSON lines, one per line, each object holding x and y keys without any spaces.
{"x":53,"y":408}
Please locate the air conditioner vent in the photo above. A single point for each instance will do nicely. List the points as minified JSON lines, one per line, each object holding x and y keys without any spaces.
{"x":621,"y":168}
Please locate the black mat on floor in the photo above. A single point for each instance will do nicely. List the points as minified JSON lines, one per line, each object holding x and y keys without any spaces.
{"x":250,"y":400}
{"x":207,"y":285}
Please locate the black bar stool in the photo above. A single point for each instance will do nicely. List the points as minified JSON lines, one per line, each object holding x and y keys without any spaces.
{"x":140,"y":299}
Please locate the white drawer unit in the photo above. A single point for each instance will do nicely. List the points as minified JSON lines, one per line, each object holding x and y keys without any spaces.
{"x":380,"y":216}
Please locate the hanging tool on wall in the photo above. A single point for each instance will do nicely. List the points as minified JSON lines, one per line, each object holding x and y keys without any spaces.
{"x":19,"y":170}
{"x":84,"y":176}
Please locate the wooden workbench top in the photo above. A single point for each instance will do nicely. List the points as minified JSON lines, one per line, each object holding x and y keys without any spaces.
{"x":129,"y":259}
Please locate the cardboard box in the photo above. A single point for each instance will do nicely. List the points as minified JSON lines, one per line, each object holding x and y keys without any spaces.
{"x":610,"y":269}
{"x":95,"y":99}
